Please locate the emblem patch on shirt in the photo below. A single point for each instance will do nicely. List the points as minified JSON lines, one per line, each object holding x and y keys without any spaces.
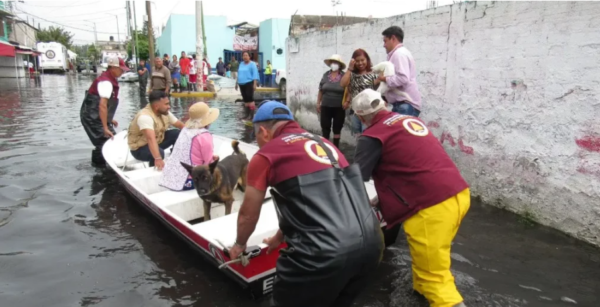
{"x":415,"y":127}
{"x":394,"y":119}
{"x":317,"y":153}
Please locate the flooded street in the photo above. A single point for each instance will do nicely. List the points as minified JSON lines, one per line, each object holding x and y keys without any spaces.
{"x":72,"y":236}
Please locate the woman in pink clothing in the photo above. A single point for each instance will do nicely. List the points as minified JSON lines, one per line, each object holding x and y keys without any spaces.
{"x":194,"y":146}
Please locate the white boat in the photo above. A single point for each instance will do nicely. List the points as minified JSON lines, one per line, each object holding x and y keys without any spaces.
{"x":129,"y":76}
{"x":182,"y":212}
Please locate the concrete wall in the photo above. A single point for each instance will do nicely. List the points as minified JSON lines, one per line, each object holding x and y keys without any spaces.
{"x":511,"y":89}
{"x":24,"y":34}
{"x":272,"y":36}
{"x":180,"y":35}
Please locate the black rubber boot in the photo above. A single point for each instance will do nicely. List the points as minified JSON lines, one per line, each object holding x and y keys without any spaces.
{"x":336,"y":142}
{"x":97,"y":158}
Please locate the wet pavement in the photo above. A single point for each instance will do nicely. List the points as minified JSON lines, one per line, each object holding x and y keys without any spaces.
{"x":71,"y":236}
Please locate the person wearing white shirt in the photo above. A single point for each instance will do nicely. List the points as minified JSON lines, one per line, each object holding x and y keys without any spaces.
{"x":99,"y":107}
{"x":194,"y":73}
{"x":148,"y":136}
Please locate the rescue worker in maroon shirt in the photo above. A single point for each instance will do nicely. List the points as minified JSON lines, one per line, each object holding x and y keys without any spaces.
{"x":99,"y":106}
{"x":418,"y":185}
{"x":334,"y":241}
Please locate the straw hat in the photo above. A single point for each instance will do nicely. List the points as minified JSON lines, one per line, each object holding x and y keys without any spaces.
{"x":201,"y":115}
{"x":336,"y":58}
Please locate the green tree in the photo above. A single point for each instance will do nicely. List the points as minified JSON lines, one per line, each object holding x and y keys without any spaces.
{"x":142,"y":44}
{"x":93,"y":53}
{"x":55,"y":34}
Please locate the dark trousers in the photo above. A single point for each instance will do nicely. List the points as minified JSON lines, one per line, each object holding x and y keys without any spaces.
{"x":143,"y":85}
{"x":335,"y":115}
{"x":268,"y":80}
{"x":338,"y":286}
{"x":144,"y":154}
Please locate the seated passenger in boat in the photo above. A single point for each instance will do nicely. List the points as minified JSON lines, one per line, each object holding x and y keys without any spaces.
{"x":148,"y":136}
{"x":194,"y":147}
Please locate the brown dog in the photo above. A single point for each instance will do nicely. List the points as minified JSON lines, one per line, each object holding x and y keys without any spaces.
{"x":216,"y":182}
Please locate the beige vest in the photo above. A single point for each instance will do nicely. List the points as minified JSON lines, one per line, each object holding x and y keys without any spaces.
{"x":135,"y":136}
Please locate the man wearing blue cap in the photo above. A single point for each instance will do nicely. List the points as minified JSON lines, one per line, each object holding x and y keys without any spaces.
{"x":333,"y":237}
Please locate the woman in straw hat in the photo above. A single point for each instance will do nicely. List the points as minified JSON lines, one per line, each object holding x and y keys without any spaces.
{"x":330,"y":99}
{"x":194,"y":146}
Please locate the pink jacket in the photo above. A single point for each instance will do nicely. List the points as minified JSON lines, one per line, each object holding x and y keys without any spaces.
{"x":202,"y":149}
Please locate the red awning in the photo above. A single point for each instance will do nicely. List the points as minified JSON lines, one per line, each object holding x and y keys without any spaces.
{"x":7,"y":50}
{"x":27,"y":52}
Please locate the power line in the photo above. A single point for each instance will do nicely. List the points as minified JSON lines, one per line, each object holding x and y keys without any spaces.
{"x":91,"y":31}
{"x":62,"y":6}
{"x":90,"y":13}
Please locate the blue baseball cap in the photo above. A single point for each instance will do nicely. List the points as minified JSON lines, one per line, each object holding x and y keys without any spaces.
{"x":267,"y":111}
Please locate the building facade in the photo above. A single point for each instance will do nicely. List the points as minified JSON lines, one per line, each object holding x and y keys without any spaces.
{"x":272,"y":34}
{"x":17,"y":44}
{"x":179,"y":34}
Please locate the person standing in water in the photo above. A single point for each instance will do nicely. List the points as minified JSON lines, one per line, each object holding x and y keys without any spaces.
{"x":143,"y":77}
{"x":193,"y":73}
{"x":99,"y":107}
{"x":247,"y":82}
{"x":175,"y":73}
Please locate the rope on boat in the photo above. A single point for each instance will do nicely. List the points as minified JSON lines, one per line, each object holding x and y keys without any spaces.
{"x":242,"y":259}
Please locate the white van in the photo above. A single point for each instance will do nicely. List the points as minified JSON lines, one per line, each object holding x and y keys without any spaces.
{"x":54,"y":57}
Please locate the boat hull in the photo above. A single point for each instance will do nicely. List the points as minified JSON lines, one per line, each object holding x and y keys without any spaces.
{"x":258,"y":276}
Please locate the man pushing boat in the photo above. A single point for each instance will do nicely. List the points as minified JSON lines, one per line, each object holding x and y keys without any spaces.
{"x":334,"y":241}
{"x":99,"y":107}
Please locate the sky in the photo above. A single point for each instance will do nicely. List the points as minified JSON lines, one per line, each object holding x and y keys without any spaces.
{"x":79,"y":17}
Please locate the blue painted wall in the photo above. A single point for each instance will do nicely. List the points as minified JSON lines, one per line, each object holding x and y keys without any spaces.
{"x":180,"y":35}
{"x":271,"y":36}
{"x":3,"y":24}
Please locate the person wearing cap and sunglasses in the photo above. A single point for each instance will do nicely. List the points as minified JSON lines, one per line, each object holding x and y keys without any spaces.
{"x":418,"y":185}
{"x":99,"y":107}
{"x":334,"y":241}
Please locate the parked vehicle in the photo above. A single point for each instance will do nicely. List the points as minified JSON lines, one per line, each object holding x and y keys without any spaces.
{"x":86,"y":65}
{"x":54,"y":57}
{"x":280,"y":80}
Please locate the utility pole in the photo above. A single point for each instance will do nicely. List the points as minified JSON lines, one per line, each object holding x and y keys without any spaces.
{"x":199,"y":45}
{"x":137,"y":51}
{"x":95,"y":35}
{"x":203,"y":33}
{"x":128,"y":14}
{"x":118,"y":34}
{"x":150,"y":32}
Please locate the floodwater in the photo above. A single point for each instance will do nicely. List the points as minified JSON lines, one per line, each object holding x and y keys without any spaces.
{"x":71,"y":236}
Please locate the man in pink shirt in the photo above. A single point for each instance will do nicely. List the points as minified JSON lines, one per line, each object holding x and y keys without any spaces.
{"x":405,"y":79}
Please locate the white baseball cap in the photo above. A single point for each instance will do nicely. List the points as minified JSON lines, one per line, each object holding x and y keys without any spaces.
{"x":367,"y":102}
{"x":115,"y":61}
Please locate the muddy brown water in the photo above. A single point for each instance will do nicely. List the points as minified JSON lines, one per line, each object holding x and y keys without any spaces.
{"x":72,"y":236}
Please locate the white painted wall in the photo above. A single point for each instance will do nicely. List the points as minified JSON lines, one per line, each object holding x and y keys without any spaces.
{"x":512,"y":89}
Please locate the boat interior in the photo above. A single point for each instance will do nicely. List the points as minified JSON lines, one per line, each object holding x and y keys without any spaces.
{"x":186,"y":206}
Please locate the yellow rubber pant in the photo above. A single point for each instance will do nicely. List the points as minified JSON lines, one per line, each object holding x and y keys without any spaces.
{"x":430,"y":233}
